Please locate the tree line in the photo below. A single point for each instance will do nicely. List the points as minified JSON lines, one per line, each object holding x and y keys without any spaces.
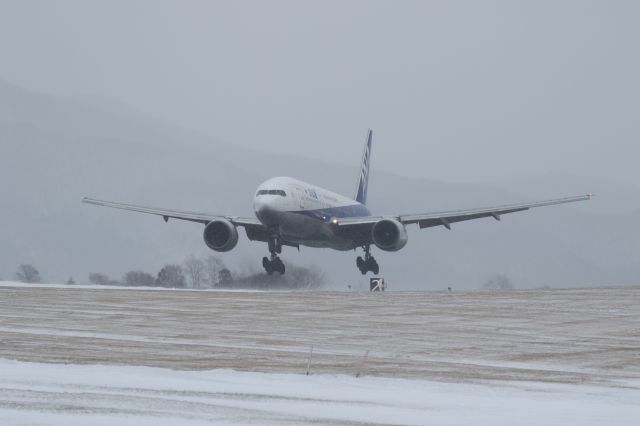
{"x":197,"y":273}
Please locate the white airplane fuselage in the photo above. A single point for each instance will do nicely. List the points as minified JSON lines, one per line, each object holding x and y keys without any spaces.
{"x":289,"y":212}
{"x":302,"y":213}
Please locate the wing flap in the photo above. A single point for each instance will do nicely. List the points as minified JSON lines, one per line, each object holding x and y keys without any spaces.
{"x":426,"y":220}
{"x":445,"y":218}
{"x":167,"y":214}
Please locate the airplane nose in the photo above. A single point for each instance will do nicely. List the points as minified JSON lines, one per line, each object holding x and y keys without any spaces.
{"x":258,"y":205}
{"x":264,"y":211}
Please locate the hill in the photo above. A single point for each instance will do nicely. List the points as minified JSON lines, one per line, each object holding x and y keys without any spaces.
{"x":55,"y":150}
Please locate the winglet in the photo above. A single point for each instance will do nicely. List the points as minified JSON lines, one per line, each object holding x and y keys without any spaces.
{"x":363,"y":178}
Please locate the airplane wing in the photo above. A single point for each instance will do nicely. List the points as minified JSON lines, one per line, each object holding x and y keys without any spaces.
{"x":446,"y":218}
{"x":248,"y":222}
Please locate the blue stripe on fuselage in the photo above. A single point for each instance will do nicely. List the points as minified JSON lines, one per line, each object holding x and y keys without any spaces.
{"x":353,"y":210}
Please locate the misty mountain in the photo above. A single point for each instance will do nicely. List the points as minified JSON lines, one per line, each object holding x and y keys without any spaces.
{"x":55,"y":150}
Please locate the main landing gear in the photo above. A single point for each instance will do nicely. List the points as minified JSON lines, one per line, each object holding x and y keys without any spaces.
{"x":273,"y":263}
{"x":368,"y":264}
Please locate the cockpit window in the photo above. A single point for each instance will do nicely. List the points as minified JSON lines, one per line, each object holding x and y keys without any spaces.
{"x":279,"y":192}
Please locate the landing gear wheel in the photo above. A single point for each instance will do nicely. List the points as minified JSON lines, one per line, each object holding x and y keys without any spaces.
{"x":374,"y":267}
{"x":274,"y":265}
{"x":368,"y":264}
{"x":267,"y":265}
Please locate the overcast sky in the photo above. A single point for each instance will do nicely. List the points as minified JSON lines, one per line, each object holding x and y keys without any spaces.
{"x":454,"y":90}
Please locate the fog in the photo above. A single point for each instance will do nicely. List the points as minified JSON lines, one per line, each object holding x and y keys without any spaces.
{"x":191,"y":105}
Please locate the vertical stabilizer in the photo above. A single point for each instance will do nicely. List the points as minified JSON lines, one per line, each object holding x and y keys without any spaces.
{"x":363,"y":178}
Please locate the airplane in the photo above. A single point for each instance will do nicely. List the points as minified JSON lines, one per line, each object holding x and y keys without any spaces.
{"x":289,"y":212}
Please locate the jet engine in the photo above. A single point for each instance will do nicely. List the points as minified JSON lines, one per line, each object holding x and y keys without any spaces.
{"x":389,"y":235}
{"x":221,"y":235}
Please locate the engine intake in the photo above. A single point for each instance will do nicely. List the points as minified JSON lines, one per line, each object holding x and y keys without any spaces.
{"x":389,"y":235}
{"x":221,"y":235}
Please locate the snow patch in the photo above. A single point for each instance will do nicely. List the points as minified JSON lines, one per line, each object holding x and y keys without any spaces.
{"x":58,"y":394}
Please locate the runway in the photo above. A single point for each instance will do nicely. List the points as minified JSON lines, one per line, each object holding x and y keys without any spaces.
{"x":568,"y":336}
{"x":557,"y":342}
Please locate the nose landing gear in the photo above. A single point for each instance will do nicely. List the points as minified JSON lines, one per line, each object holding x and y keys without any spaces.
{"x":273,"y":263}
{"x":368,"y":264}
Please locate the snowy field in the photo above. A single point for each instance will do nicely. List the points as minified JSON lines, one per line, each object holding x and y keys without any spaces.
{"x":55,"y":394}
{"x":72,"y":355}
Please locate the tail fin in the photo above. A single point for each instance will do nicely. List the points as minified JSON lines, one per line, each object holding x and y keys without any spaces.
{"x":363,"y":178}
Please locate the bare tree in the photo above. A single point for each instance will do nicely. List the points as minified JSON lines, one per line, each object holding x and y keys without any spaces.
{"x":171,"y":276}
{"x":308,"y":278}
{"x":498,"y":282}
{"x":300,"y":278}
{"x":196,"y":271}
{"x":138,"y":278}
{"x":248,"y":267}
{"x":99,"y":279}
{"x":213,"y":266}
{"x":28,"y":274}
{"x":225,"y":279}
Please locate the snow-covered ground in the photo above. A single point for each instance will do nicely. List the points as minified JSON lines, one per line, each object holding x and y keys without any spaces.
{"x":59,"y":394}
{"x":76,"y":355}
{"x":114,"y":287}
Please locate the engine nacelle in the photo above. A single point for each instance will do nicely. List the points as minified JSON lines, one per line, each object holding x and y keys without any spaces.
{"x":389,"y":235}
{"x":221,"y":235}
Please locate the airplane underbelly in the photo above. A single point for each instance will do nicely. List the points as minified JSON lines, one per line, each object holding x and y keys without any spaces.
{"x":311,"y":232}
